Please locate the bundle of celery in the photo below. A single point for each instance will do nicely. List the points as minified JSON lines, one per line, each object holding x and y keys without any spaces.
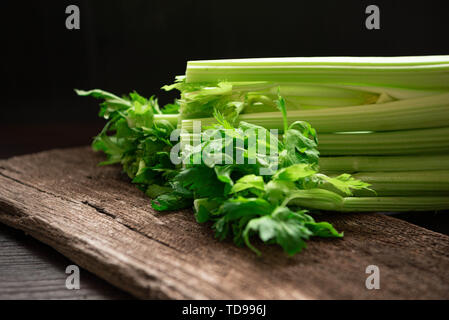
{"x":228,"y":180}
{"x":382,"y":119}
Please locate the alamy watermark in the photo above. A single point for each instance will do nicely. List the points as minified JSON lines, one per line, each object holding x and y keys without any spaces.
{"x":372,"y":22}
{"x":373,"y":280}
{"x":73,"y":280}
{"x":73,"y":19}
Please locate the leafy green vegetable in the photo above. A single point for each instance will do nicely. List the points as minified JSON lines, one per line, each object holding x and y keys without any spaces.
{"x":239,"y":178}
{"x":133,"y":138}
{"x":240,"y":202}
{"x":288,"y":229}
{"x":247,"y":181}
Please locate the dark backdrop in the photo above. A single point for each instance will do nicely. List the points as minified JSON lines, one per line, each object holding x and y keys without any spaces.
{"x":141,"y":45}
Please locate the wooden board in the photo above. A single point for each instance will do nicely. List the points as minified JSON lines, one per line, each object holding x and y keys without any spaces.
{"x":97,"y":218}
{"x":32,"y":270}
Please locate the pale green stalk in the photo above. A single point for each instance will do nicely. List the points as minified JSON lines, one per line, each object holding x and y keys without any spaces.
{"x":425,"y":72}
{"x":413,"y":183}
{"x":172,"y":118}
{"x":406,"y":142}
{"x":351,"y":164}
{"x":374,"y":204}
{"x":423,"y":112}
{"x":394,"y":204}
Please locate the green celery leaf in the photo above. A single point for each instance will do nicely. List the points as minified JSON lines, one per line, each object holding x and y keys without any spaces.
{"x":247,"y":182}
{"x":295,"y":172}
{"x":204,"y":207}
{"x":277,"y":190}
{"x":153,"y":191}
{"x":288,"y":229}
{"x":300,"y":145}
{"x":201,"y":180}
{"x":282,"y":227}
{"x":171,"y":201}
{"x":323,"y":229}
{"x":171,"y":108}
{"x":345,"y":183}
{"x":234,"y":209}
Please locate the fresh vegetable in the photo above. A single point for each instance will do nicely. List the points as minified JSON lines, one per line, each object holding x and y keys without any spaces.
{"x":241,"y":199}
{"x":412,"y":183}
{"x":134,"y":138}
{"x":417,"y":113}
{"x":384,"y":120}
{"x":425,"y":72}
{"x":352,"y":164}
{"x":402,"y":142}
{"x":372,"y":114}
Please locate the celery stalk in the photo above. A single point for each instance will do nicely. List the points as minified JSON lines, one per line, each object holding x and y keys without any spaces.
{"x":421,"y":141}
{"x":352,"y":164}
{"x":406,"y":142}
{"x":172,"y":118}
{"x":375,"y":204}
{"x":413,"y":183}
{"x":394,"y":204}
{"x":423,"y":112}
{"x":430,"y":72}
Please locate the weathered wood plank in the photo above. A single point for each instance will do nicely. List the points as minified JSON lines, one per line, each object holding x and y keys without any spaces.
{"x":32,"y":270}
{"x":94,"y":216}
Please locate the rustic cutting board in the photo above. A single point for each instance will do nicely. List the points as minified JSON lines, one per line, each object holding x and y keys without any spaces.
{"x":97,"y":218}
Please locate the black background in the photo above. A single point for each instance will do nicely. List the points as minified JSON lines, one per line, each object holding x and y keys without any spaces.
{"x":141,"y":45}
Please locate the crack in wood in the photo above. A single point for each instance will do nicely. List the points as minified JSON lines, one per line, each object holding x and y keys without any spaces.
{"x":113,"y":216}
{"x":36,"y":188}
{"x":13,"y":210}
{"x":150,"y":237}
{"x":10,"y":169}
{"x":99,"y":209}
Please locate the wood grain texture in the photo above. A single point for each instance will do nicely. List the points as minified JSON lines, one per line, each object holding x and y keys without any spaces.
{"x":97,"y":218}
{"x":32,"y":270}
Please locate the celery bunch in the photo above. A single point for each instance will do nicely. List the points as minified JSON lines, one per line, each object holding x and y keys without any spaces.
{"x":384,"y":120}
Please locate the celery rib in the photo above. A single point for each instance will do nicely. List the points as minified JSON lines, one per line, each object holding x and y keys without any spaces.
{"x":394,"y":204}
{"x":349,"y":61}
{"x":352,"y":164}
{"x":406,"y":142}
{"x":386,"y":119}
{"x":424,"y":112}
{"x":417,"y":113}
{"x":386,"y":143}
{"x":376,"y":204}
{"x":171,"y":118}
{"x":414,"y":183}
{"x":429,"y":72}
